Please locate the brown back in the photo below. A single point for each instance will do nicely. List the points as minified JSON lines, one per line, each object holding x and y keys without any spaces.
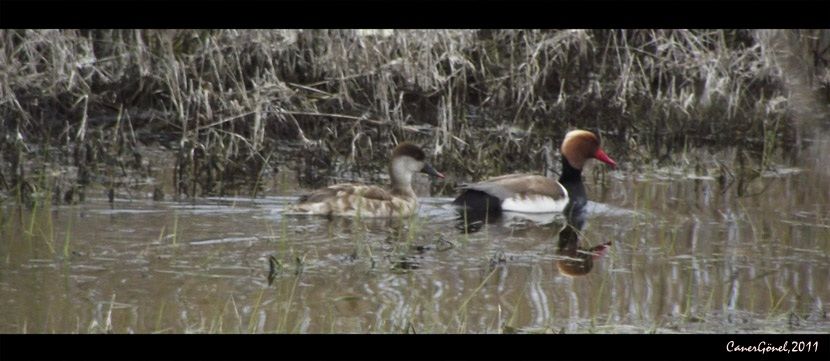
{"x":507,"y":186}
{"x":346,"y":189}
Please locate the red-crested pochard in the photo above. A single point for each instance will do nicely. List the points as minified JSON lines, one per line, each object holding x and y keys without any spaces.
{"x":528,"y":193}
{"x":350,"y":200}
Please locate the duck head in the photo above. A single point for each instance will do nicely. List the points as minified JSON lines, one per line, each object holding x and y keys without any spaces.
{"x":408,"y":159}
{"x":581,"y":145}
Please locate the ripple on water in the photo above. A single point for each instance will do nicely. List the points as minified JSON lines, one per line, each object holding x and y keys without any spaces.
{"x":724,"y":261}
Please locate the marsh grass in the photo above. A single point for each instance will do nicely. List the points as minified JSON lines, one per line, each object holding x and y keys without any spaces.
{"x":66,"y":240}
{"x":460,"y":314}
{"x":232,"y":105}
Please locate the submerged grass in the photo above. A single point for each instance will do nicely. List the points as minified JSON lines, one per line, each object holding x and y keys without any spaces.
{"x":233,"y":105}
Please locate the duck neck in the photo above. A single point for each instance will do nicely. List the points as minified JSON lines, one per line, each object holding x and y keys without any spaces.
{"x":401,"y":179}
{"x":571,"y":179}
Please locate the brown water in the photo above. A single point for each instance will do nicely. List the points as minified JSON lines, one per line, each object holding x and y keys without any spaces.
{"x":688,"y":254}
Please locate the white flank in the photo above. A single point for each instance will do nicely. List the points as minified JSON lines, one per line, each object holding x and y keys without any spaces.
{"x":538,"y":218}
{"x":534,"y":204}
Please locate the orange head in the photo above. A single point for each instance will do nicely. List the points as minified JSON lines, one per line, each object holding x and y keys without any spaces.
{"x":581,"y":145}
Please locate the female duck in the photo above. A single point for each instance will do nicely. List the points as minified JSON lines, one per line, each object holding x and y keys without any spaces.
{"x":351,"y":200}
{"x":527,"y":193}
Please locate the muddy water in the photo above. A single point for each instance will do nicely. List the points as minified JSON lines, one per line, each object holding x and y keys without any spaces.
{"x":688,"y":253}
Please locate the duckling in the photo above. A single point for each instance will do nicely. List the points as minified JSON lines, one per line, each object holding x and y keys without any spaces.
{"x":350,"y":200}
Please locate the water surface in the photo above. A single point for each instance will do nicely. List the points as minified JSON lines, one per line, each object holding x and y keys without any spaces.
{"x":689,"y":252}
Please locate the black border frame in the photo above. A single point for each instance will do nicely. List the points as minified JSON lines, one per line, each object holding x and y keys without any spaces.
{"x":413,"y":13}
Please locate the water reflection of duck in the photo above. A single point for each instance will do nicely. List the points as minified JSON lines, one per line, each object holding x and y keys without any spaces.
{"x":368,"y":200}
{"x":527,"y":193}
{"x":579,"y":260}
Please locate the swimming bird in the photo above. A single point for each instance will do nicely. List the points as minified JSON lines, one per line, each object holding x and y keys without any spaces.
{"x":528,"y":193}
{"x":349,"y":199}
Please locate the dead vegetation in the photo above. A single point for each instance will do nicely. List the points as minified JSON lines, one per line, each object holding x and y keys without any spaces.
{"x":82,"y":107}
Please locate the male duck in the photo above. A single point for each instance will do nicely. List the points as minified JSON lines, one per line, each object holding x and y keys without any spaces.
{"x":351,"y":200}
{"x":527,"y":193}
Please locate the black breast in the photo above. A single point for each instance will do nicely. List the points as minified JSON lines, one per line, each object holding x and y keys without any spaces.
{"x":479,"y":201}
